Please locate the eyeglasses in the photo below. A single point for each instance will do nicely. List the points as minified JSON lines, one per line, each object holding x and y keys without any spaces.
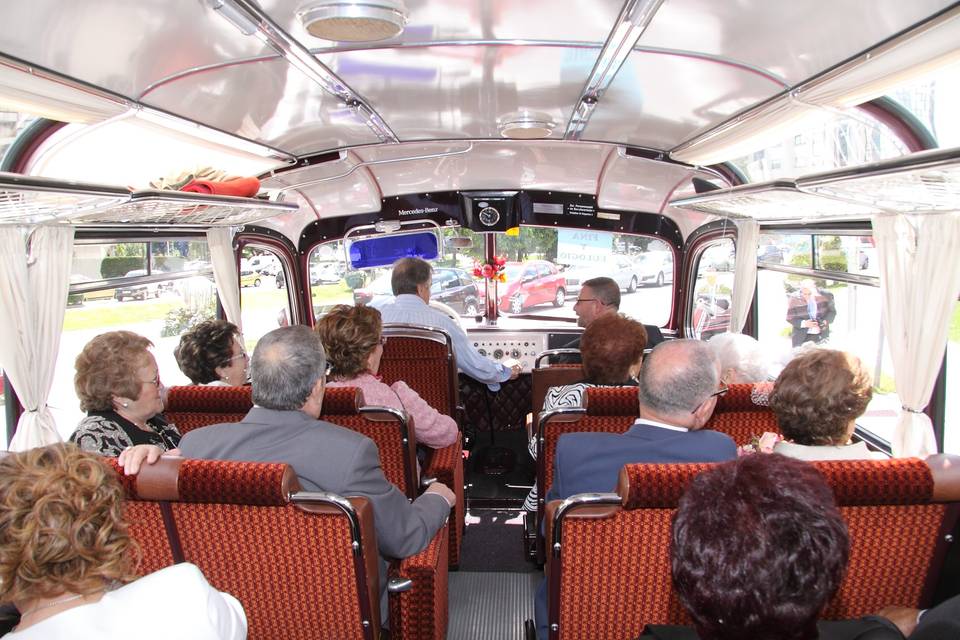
{"x":579,"y":300}
{"x":155,"y":381}
{"x":242,"y":354}
{"x":716,"y":394}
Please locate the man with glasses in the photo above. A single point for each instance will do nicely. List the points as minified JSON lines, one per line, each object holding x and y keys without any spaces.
{"x":598,"y":297}
{"x":679,"y":386}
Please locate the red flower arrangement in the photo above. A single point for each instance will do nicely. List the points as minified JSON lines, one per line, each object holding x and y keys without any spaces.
{"x":491,"y":270}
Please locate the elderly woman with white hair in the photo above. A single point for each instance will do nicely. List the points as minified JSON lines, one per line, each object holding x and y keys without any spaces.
{"x":742,"y":359}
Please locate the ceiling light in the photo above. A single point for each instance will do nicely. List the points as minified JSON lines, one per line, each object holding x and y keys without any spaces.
{"x":526,"y":126}
{"x":353,"y":20}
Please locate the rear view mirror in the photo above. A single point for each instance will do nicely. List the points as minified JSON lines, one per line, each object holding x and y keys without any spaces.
{"x":459,"y":242}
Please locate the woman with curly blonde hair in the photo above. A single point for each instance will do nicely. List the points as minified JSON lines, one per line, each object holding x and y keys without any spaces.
{"x":817,"y":399}
{"x":118,"y":384}
{"x":66,"y":558}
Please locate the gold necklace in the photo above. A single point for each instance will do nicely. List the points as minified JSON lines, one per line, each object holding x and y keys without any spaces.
{"x":53,"y":603}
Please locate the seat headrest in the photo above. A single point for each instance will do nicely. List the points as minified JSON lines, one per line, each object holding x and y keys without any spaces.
{"x":656,"y":486}
{"x":178,"y":479}
{"x":745,"y":397}
{"x":199,"y":398}
{"x":612,"y":401}
{"x":341,"y":401}
{"x":876,"y":482}
{"x":854,"y":482}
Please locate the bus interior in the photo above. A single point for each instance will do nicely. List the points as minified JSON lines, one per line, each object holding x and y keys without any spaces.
{"x":709,"y":156}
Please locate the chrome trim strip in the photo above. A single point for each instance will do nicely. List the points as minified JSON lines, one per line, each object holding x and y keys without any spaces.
{"x":553,"y":352}
{"x":630,"y":25}
{"x":578,"y":500}
{"x":305,"y":497}
{"x":299,"y":57}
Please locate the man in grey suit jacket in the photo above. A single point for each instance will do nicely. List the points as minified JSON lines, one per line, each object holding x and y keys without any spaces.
{"x":287,"y":372}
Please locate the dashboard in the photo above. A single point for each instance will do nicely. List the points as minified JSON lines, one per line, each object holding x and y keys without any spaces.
{"x":523,"y":345}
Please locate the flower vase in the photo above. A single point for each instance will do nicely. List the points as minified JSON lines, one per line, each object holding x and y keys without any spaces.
{"x":492,"y":300}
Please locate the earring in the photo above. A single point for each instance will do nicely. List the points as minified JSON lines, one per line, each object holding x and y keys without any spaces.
{"x":125,"y":404}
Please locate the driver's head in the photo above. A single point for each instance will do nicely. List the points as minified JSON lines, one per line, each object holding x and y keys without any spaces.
{"x":411,"y":276}
{"x":597,"y":297}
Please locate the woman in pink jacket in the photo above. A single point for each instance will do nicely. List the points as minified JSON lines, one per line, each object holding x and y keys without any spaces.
{"x":353,"y":339}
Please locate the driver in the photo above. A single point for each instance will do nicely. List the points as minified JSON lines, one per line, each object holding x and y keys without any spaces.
{"x":411,"y":305}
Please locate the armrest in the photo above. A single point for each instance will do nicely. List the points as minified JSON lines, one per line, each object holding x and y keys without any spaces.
{"x":446,"y":465}
{"x":420,"y":612}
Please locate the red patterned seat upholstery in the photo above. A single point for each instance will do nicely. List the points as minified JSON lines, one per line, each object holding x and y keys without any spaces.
{"x":553,"y":424}
{"x":194,"y":406}
{"x":423,"y":358}
{"x":303,"y":564}
{"x":609,"y":567}
{"x":389,"y":429}
{"x":146,"y":520}
{"x":742,"y":413}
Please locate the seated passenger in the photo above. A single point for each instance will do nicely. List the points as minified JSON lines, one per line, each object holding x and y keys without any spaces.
{"x":212,"y":354}
{"x":817,"y":399}
{"x":353,"y":339}
{"x":66,"y":559}
{"x":288,"y":378}
{"x":778,"y":559}
{"x":612,"y":349}
{"x":410,"y":281}
{"x":742,"y":359}
{"x":678,"y":390}
{"x":118,"y":384}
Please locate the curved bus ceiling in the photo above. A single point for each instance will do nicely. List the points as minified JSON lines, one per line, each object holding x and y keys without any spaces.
{"x":160,"y":86}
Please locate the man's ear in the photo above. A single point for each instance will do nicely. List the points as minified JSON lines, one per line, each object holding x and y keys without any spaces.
{"x":318,"y":390}
{"x":703,"y":413}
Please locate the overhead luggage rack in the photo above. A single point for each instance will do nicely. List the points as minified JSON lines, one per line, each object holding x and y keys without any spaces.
{"x":927,"y":182}
{"x":31,"y":200}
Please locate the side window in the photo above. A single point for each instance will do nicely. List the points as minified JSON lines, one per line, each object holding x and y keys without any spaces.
{"x":156,"y":289}
{"x":332,"y":283}
{"x":264,"y":300}
{"x":713,"y":290}
{"x":798,"y":309}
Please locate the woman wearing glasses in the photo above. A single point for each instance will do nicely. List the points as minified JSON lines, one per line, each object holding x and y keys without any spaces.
{"x":212,"y":354}
{"x":353,"y":339}
{"x":118,"y":384}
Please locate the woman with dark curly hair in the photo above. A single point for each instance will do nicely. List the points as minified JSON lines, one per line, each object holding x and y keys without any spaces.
{"x":119,"y":387}
{"x":611,"y":350}
{"x":212,"y":353}
{"x":353,"y":339}
{"x":758,"y":549}
{"x":817,"y":399}
{"x":67,"y":560}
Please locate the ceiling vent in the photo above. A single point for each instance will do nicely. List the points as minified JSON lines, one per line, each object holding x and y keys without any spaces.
{"x":353,"y":21}
{"x":527,"y":126}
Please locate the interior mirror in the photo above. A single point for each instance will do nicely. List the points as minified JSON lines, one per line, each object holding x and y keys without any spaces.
{"x":459,"y":242}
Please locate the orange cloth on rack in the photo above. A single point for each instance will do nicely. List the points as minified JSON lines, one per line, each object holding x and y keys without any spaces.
{"x":240,"y":187}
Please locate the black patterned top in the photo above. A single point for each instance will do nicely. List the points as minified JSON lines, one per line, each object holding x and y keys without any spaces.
{"x":108,"y":433}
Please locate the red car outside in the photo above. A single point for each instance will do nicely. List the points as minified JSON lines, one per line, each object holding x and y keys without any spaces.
{"x":531,"y":283}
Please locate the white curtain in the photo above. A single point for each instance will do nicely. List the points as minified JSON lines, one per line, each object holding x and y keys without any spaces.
{"x":745,"y":276}
{"x":33,"y":299}
{"x":220,"y":241}
{"x":919,"y":282}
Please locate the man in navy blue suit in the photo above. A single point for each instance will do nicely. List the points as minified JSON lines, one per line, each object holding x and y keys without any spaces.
{"x":679,"y":385}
